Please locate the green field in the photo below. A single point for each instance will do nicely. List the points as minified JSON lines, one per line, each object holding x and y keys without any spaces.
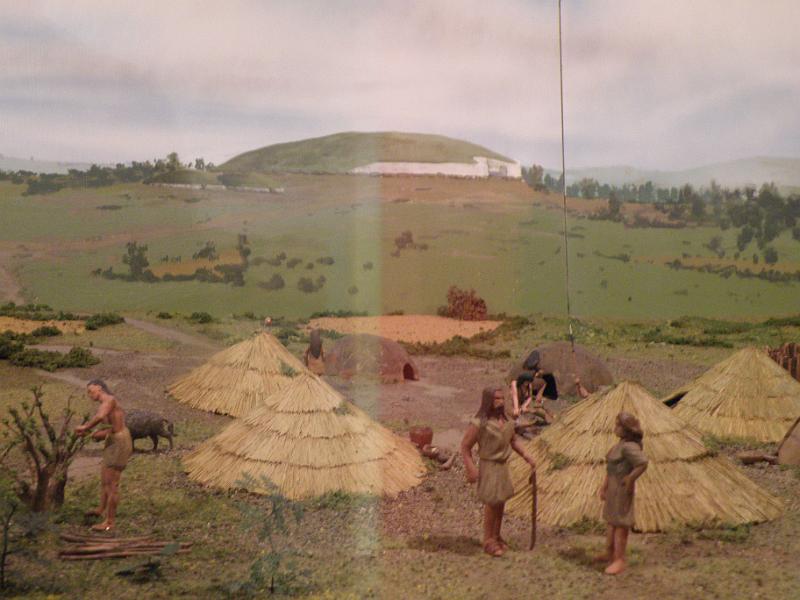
{"x":510,"y":252}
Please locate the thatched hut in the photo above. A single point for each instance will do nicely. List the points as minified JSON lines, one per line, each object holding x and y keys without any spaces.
{"x":685,"y":483}
{"x":747,"y":395}
{"x":789,"y":450}
{"x":368,"y":355}
{"x":560,"y":367}
{"x":307,"y":440}
{"x":239,"y":378}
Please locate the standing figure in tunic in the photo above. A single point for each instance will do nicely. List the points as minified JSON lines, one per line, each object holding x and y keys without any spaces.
{"x":625,"y":463}
{"x":493,"y":431}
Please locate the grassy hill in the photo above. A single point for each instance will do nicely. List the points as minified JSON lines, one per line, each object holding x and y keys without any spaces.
{"x":341,"y":152}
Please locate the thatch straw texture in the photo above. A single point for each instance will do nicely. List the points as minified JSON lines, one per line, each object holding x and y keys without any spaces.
{"x":307,"y":440}
{"x":748,"y":395}
{"x":685,"y":483}
{"x":789,"y":450}
{"x":238,"y":379}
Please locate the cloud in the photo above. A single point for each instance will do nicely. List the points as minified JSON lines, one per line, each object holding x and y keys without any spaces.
{"x":656,"y":84}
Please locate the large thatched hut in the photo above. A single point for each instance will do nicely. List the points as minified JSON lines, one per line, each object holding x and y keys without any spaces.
{"x":560,"y":366}
{"x":307,"y":440}
{"x":747,"y":395}
{"x":685,"y":483}
{"x":239,"y":378}
{"x":789,"y":449}
{"x":368,"y":355}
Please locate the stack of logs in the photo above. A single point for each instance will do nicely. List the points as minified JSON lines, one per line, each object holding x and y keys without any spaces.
{"x":787,"y":356}
{"x":94,"y":547}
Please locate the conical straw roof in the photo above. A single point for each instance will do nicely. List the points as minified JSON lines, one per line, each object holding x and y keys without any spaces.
{"x":239,"y":378}
{"x":685,"y":483}
{"x":307,"y":440}
{"x":747,"y":395}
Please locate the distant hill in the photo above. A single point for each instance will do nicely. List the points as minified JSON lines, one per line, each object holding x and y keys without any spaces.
{"x":784,"y":172}
{"x":10,"y":163}
{"x":342,"y":152}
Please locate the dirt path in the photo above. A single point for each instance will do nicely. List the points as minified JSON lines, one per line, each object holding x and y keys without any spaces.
{"x":170,"y":334}
{"x":10,"y":290}
{"x":407,"y":328}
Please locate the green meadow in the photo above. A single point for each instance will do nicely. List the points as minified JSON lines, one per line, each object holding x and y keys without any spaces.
{"x":512,"y":253}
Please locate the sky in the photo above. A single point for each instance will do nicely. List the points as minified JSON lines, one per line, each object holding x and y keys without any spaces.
{"x":661,"y":84}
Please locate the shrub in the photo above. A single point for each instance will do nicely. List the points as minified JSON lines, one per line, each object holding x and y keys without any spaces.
{"x":326,"y":260}
{"x":464,"y":305}
{"x":306,"y":285}
{"x":164,"y":315}
{"x":309,"y":265}
{"x":352,"y":290}
{"x":11,"y":343}
{"x":103,"y":320}
{"x":293,"y":262}
{"x":50,"y":361}
{"x":276,"y":282}
{"x":46,"y":331}
{"x":201,"y":317}
{"x":368,"y":265}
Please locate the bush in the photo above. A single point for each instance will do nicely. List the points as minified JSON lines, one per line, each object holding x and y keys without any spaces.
{"x":201,"y":318}
{"x":50,"y":361}
{"x":275,"y":283}
{"x":326,"y":260}
{"x":103,"y":320}
{"x":307,"y":286}
{"x":164,"y":315}
{"x":293,"y":262}
{"x":464,"y":305}
{"x":352,"y":290}
{"x":46,"y":331}
{"x":11,"y":343}
{"x":368,"y":265}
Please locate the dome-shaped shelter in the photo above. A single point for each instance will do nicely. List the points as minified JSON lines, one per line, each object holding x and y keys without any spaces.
{"x":748,"y":395}
{"x":371,"y":356}
{"x":789,"y":450}
{"x":239,"y":378}
{"x":684,"y":484}
{"x":307,"y":440}
{"x":560,"y":367}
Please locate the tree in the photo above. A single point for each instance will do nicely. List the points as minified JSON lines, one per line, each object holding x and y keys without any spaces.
{"x":770,"y":255}
{"x":614,"y":207}
{"x":200,"y":164}
{"x":48,"y":452}
{"x":173,"y":162}
{"x":588,"y":187}
{"x":136,"y":259}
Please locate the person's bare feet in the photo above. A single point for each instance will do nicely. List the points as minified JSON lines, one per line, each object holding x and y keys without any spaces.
{"x":94,"y":513}
{"x":502,"y":543}
{"x":104,"y":526}
{"x":492,"y":548}
{"x":616,"y":567}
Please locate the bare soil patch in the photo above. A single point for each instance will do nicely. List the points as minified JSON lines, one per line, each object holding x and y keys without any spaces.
{"x":406,"y":328}
{"x":26,"y":326}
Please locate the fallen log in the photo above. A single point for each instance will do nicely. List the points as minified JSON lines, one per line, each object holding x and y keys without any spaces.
{"x":749,"y":457}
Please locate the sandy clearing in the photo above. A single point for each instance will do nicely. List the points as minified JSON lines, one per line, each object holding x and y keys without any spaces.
{"x":26,"y":325}
{"x":9,"y":288}
{"x":406,"y":328}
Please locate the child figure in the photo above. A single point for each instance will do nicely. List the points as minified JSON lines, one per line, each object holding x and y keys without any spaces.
{"x":493,"y":431}
{"x":625,"y":464}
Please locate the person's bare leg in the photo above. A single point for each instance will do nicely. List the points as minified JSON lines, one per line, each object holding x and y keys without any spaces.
{"x":113,"y":500}
{"x":499,"y":524}
{"x":608,"y":555}
{"x":104,"y":483}
{"x":620,"y":544}
{"x":488,"y":524}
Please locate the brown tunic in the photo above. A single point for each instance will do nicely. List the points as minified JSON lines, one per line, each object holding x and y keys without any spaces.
{"x":621,"y":460}
{"x":494,"y":448}
{"x":118,"y":449}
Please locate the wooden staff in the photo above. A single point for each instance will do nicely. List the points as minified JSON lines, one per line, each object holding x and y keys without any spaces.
{"x":534,"y":494}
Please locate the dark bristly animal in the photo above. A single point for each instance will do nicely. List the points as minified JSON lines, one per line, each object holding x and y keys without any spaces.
{"x":144,"y":423}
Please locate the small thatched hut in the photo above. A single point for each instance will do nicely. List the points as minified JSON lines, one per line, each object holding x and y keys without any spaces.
{"x":685,"y":483}
{"x":371,"y":356}
{"x":747,"y":395}
{"x":789,"y":450}
{"x":560,"y":367}
{"x":307,"y":440}
{"x":239,"y":378}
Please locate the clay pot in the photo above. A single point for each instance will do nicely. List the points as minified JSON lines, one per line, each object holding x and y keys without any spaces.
{"x":420,"y":436}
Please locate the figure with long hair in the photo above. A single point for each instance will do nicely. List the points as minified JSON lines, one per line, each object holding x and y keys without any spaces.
{"x":314,"y":357}
{"x":117,"y":451}
{"x":493,"y":431}
{"x":625,"y":463}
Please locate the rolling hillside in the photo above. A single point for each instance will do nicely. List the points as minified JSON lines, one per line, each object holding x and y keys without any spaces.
{"x":341,"y":152}
{"x":784,"y":172}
